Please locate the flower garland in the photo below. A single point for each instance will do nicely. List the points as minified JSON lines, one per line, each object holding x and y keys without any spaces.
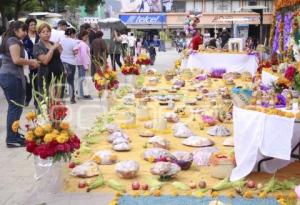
{"x":277,"y":34}
{"x":285,"y":3}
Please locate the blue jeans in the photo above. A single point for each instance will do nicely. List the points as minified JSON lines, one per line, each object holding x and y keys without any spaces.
{"x":71,"y":69}
{"x":13,"y":91}
{"x":81,"y":76}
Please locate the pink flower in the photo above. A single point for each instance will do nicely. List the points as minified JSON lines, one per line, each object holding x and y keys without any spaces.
{"x":297,"y":190}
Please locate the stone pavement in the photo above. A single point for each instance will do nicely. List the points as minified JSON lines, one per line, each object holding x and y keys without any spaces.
{"x":17,"y":171}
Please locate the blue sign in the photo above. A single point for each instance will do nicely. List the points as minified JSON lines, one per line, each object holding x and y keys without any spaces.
{"x":143,"y":19}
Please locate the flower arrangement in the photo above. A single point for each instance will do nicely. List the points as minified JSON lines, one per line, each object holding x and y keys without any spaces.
{"x":129,"y":67}
{"x":106,"y":79}
{"x":47,"y":134}
{"x":143,"y":59}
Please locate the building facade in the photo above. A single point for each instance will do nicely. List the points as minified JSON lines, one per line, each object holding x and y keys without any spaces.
{"x":213,"y":11}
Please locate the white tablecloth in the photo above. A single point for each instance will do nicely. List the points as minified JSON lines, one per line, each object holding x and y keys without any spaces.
{"x":230,"y":62}
{"x":258,"y":135}
{"x":267,"y":78}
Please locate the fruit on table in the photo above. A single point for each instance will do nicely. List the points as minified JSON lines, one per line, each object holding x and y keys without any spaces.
{"x":145,"y":187}
{"x":180,"y":185}
{"x":202,"y":184}
{"x":251,"y":184}
{"x":82,"y":184}
{"x":98,"y":182}
{"x":154,"y":184}
{"x":135,"y":185}
{"x":226,"y":184}
{"x":192,"y":185}
{"x":259,"y":186}
{"x":72,"y":165}
{"x":116,"y":185}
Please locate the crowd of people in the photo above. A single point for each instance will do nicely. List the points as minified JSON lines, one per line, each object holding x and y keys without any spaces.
{"x":32,"y":57}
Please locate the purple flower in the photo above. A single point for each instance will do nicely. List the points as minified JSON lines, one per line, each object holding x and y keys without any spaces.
{"x":288,"y":19}
{"x":217,"y":72}
{"x":277,"y":32}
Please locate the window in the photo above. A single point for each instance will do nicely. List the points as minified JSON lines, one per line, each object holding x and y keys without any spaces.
{"x":222,"y":6}
{"x":209,"y":6}
{"x":179,"y":6}
{"x":235,"y":6}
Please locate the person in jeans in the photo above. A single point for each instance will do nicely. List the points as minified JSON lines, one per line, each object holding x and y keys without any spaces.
{"x":115,"y":50}
{"x":68,"y":57}
{"x":12,"y":79}
{"x":48,"y":53}
{"x":83,"y":59}
{"x":31,"y":39}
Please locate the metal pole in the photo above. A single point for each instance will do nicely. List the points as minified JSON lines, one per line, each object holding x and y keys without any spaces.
{"x":261,"y":26}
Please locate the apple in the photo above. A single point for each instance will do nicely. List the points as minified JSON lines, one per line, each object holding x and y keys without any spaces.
{"x":135,"y":185}
{"x":72,"y":165}
{"x":251,"y":184}
{"x":82,"y":184}
{"x":145,"y":187}
{"x":192,"y":185}
{"x":202,"y":184}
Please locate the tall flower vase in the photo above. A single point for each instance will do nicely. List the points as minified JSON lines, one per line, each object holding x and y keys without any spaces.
{"x":48,"y":176}
{"x":130,"y":80}
{"x":107,"y":100}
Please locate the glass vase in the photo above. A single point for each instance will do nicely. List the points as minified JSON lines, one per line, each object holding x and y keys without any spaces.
{"x":107,"y":100}
{"x":48,"y":175}
{"x":130,"y":80}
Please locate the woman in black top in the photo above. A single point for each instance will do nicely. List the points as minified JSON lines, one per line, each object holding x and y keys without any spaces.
{"x":29,"y":41}
{"x":48,"y":54}
{"x":12,"y":79}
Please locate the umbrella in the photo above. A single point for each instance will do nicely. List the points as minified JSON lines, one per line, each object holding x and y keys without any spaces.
{"x":113,"y":23}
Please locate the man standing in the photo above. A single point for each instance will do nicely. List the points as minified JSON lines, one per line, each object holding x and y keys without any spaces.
{"x":131,"y":44}
{"x":124,"y":44}
{"x":58,"y":34}
{"x":225,"y":37}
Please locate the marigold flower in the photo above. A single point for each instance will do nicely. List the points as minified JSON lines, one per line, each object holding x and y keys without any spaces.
{"x":39,"y":131}
{"x":31,"y":116}
{"x":48,"y":128}
{"x":48,"y":138}
{"x":64,"y":125}
{"x":15,"y":126}
{"x":62,"y":138}
{"x":29,"y":136}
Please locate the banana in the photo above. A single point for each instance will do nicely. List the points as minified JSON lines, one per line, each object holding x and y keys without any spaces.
{"x":154,"y":184}
{"x":116,"y":185}
{"x":98,"y":182}
{"x":180,"y":186}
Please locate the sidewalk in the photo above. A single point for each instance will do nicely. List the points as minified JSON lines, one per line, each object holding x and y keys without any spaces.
{"x":16,"y":173}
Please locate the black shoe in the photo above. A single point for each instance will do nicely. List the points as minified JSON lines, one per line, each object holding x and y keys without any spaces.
{"x":18,"y":144}
{"x":87,"y":97}
{"x":73,"y":101}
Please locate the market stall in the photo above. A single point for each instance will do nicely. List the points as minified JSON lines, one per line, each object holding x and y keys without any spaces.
{"x":232,"y":62}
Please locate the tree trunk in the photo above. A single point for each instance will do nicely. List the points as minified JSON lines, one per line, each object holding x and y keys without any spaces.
{"x":17,"y":9}
{"x":3,"y":16}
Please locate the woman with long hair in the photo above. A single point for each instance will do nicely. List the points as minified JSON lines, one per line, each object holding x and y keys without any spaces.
{"x":48,"y":53}
{"x":68,"y":57}
{"x":12,"y":78}
{"x":83,"y":60}
{"x":29,"y":41}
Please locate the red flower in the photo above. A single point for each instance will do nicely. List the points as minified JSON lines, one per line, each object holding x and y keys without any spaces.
{"x":290,"y":73}
{"x":60,"y":148}
{"x":30,"y":147}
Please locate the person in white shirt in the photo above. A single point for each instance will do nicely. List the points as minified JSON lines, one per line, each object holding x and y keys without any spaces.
{"x":68,"y":58}
{"x":124,"y":38}
{"x":206,"y":38}
{"x":58,"y":34}
{"x":131,"y":44}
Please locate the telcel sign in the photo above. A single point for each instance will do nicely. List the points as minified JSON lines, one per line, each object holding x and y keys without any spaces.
{"x":143,"y":19}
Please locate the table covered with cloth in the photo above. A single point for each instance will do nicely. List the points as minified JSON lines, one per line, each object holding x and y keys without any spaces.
{"x":230,"y":61}
{"x":258,"y":135}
